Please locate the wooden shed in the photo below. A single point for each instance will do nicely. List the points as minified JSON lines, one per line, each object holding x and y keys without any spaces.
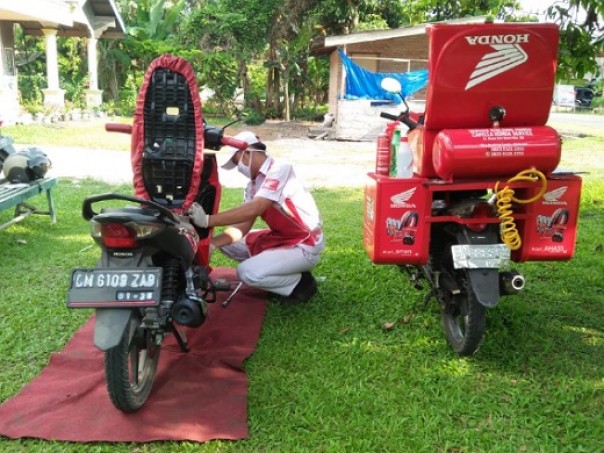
{"x":396,"y":50}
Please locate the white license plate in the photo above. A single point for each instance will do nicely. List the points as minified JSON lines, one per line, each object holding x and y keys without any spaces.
{"x":94,"y":288}
{"x":490,"y":256}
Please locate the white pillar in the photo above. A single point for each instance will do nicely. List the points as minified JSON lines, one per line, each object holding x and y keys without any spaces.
{"x":52,"y":61}
{"x":92,"y":64}
{"x":53,"y":96}
{"x":94,"y":96}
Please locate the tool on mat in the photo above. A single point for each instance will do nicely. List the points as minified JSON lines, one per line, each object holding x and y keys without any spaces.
{"x":227,"y":301}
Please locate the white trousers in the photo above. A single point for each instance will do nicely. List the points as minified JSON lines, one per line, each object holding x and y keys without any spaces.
{"x":276,"y":270}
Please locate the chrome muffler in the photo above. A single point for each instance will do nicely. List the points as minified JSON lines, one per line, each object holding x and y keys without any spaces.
{"x":511,"y":282}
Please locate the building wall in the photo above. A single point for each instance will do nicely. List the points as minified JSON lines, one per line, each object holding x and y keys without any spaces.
{"x":358,"y":119}
{"x":408,"y":47}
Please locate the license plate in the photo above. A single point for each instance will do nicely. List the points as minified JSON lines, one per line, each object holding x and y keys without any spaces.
{"x":107,"y":288}
{"x":491,"y":256}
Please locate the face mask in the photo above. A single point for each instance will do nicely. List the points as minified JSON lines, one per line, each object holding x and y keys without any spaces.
{"x":245,"y":170}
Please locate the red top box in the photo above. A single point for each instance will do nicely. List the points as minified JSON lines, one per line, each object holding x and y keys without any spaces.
{"x":475,"y":67}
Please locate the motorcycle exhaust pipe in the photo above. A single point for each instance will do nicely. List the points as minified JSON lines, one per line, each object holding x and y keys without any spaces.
{"x":511,"y":282}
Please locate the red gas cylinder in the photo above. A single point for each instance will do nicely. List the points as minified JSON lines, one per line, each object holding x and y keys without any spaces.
{"x":495,"y":152}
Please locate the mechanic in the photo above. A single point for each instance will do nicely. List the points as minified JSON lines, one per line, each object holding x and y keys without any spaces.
{"x":280,"y":258}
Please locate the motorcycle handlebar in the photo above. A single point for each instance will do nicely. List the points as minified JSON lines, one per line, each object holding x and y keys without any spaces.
{"x":118,"y":127}
{"x":236,"y":143}
{"x":403,"y":118}
{"x":214,"y":138}
{"x":389,"y":116}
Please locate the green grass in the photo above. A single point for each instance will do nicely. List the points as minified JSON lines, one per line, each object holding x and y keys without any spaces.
{"x":326,"y":376}
{"x":86,"y":134}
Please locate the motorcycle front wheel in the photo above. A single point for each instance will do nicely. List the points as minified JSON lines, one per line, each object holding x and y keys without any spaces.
{"x":130,"y":367}
{"x":464,"y":318}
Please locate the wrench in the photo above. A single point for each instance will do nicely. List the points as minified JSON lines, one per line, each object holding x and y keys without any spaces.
{"x":227,"y":301}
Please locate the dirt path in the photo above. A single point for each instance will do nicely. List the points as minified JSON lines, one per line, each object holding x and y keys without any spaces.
{"x":317,"y":163}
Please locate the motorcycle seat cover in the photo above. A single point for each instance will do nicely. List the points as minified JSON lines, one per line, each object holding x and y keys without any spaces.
{"x":167,"y":135}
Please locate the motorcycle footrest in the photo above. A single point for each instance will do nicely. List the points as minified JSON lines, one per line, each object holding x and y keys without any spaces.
{"x":221,"y":284}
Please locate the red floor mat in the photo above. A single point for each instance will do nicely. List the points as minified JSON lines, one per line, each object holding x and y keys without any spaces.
{"x":197,"y":396}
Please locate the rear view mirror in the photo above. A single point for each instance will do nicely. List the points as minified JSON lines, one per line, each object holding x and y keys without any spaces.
{"x":391,"y":85}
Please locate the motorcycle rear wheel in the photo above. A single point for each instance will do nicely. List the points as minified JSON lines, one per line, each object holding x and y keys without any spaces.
{"x":130,"y":367}
{"x":464,"y":318}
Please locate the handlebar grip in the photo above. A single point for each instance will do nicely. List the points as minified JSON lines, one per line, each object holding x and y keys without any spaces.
{"x":118,"y":127}
{"x":389,"y":116}
{"x":236,"y":143}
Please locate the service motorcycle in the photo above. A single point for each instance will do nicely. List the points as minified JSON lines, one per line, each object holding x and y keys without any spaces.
{"x":484,"y":191}
{"x":153,"y":274}
{"x":6,"y":146}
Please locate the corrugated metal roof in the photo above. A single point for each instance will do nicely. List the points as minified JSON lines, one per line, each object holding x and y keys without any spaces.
{"x":100,"y":15}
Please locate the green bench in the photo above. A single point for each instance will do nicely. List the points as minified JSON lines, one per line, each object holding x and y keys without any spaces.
{"x":15,"y":195}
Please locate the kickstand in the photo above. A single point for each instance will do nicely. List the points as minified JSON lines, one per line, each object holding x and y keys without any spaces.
{"x":181,"y":339}
{"x":427,"y":297}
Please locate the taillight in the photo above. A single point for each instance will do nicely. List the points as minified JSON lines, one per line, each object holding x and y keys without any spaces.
{"x":118,"y":235}
{"x":122,"y":235}
{"x":481,"y":211}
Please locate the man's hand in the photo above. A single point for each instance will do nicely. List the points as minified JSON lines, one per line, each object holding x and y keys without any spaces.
{"x":198,"y":215}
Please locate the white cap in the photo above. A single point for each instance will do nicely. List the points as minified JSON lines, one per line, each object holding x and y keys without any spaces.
{"x":252,"y":141}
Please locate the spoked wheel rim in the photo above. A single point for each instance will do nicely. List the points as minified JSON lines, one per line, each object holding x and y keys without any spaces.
{"x":142,"y":359}
{"x":130,"y":367}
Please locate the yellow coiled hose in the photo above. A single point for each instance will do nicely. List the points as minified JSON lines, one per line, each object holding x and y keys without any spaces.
{"x":505,"y":197}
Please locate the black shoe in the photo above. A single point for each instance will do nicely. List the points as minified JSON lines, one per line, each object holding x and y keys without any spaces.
{"x":304,"y":290}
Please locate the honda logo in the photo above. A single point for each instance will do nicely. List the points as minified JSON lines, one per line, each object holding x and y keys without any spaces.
{"x":507,"y":55}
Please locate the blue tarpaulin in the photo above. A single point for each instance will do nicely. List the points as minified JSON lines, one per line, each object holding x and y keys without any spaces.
{"x":364,"y":84}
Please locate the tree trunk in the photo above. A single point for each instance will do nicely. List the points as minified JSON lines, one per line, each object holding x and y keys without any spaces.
{"x":245,"y":83}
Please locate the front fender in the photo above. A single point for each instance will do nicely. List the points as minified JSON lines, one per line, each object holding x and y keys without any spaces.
{"x":484,"y":282}
{"x":109,"y":327}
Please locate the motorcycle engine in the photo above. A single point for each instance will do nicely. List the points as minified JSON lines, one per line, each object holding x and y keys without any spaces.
{"x":189,"y":312}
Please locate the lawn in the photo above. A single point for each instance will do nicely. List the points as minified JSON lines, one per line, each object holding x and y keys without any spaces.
{"x":327,"y":376}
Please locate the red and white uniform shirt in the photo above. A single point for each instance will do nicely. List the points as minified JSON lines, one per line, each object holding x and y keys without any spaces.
{"x":293,"y":219}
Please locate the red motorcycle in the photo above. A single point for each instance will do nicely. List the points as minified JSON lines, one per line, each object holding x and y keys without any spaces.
{"x":153,"y":274}
{"x":486,"y":190}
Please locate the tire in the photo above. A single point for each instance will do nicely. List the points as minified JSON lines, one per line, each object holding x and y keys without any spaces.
{"x":130,"y":367}
{"x":464,"y":318}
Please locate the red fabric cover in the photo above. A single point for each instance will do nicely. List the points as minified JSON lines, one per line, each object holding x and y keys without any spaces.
{"x":197,"y":396}
{"x":183,"y":67}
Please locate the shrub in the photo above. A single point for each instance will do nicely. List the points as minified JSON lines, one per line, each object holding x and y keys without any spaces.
{"x":253,"y":117}
{"x":598,"y":102}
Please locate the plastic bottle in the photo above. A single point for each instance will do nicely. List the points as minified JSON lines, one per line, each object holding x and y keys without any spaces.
{"x":394,"y":149}
{"x":404,"y":159}
{"x":382,"y":157}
